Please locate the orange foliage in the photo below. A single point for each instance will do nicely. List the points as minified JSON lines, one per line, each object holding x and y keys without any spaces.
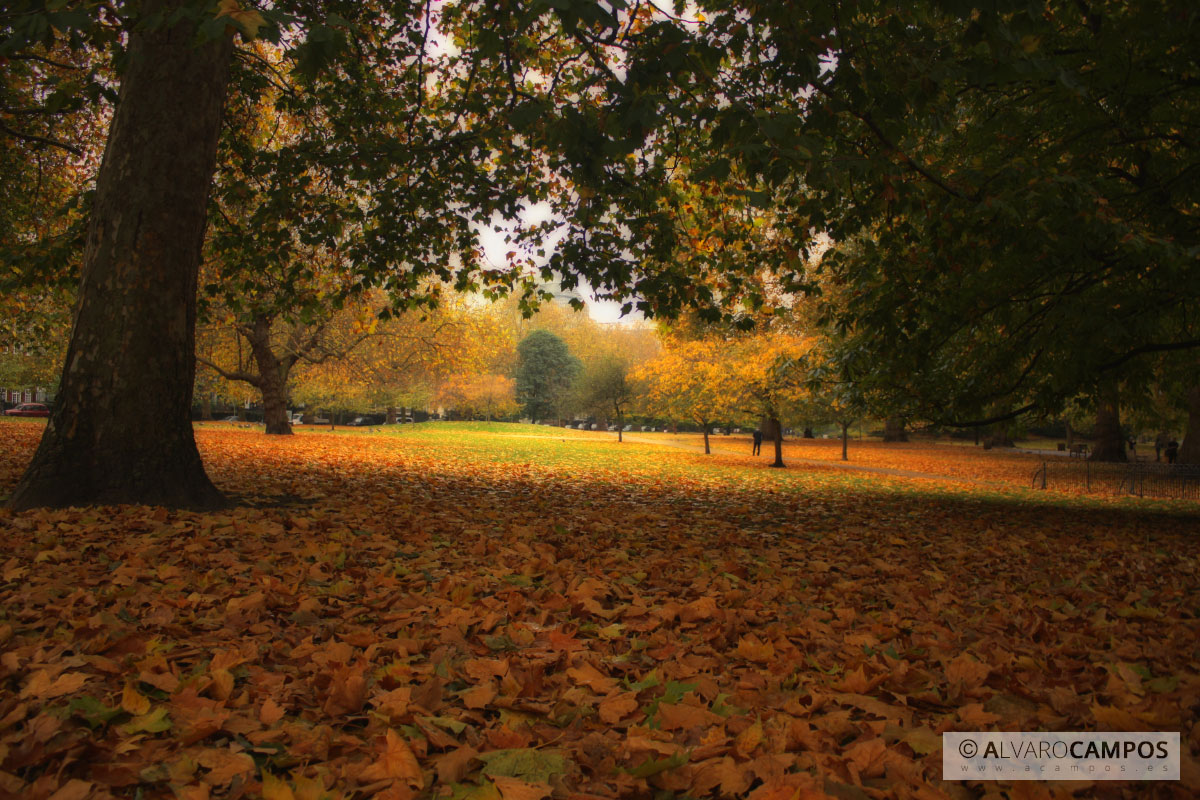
{"x":389,"y":615}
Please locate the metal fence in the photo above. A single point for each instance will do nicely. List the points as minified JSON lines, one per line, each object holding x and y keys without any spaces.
{"x":1140,"y":479}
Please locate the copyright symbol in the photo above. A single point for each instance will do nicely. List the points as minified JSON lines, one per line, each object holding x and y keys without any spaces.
{"x":967,"y":748}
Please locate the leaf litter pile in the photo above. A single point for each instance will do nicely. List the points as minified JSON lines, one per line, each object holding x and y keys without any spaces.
{"x":415,"y":619}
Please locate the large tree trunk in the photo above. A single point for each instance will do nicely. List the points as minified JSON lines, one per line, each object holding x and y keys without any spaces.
{"x":121,"y":431}
{"x":778,"y":428}
{"x":1109,"y":442}
{"x":893,"y":430}
{"x":1189,"y":451}
{"x":272,"y":378}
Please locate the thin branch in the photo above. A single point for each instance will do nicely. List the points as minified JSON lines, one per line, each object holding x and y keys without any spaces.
{"x":31,"y":137}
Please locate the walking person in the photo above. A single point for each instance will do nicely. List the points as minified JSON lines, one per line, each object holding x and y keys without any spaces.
{"x":1172,"y":450}
{"x":757,"y":443}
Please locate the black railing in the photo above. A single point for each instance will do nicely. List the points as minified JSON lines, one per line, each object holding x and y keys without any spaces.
{"x":1139,"y":479}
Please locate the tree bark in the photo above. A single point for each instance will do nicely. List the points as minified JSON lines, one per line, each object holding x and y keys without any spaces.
{"x":206,"y":406}
{"x":391,"y":415}
{"x":1189,"y":451}
{"x":778,"y":428}
{"x":707,"y":450}
{"x":1110,"y":443}
{"x":272,"y":377}
{"x":893,"y":430}
{"x":121,"y":431}
{"x":808,"y":433}
{"x":771,"y":428}
{"x":845,"y":436}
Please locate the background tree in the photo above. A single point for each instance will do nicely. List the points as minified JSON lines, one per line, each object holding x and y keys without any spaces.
{"x":268,"y":347}
{"x":545,"y":371}
{"x":770,"y":370}
{"x":690,"y":379}
{"x":487,"y":396}
{"x":603,"y":388}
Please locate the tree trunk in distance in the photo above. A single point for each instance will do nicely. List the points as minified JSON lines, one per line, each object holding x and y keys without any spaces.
{"x":121,"y":431}
{"x":273,"y":374}
{"x":771,"y":429}
{"x":1189,"y":450}
{"x":391,"y":415}
{"x":845,"y":435}
{"x":620,"y":427}
{"x":1110,"y":443}
{"x":808,"y":433}
{"x":707,"y":451}
{"x":206,"y":406}
{"x":778,"y":427}
{"x":893,"y":430}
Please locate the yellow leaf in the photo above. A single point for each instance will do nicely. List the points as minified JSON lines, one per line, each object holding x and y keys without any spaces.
{"x":748,"y":740}
{"x":249,"y":21}
{"x":396,"y":761}
{"x":275,"y":789}
{"x":40,"y":687}
{"x":134,"y":701}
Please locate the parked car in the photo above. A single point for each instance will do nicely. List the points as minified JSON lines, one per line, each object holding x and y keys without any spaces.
{"x":28,"y":410}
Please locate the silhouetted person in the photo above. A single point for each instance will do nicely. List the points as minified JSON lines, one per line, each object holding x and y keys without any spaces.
{"x":1172,"y":451}
{"x":1160,"y":443}
{"x":1132,"y":447}
{"x":757,"y":443}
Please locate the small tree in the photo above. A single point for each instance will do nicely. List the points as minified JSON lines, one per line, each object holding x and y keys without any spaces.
{"x":604,"y":386}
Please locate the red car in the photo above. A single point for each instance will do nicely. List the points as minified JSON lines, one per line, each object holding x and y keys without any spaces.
{"x":28,"y":410}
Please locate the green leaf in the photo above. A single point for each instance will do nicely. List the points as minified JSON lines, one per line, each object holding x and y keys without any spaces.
{"x":1167,"y":683}
{"x":535,"y":766}
{"x":469,"y":791}
{"x":653,"y":766}
{"x":93,"y":711}
{"x":649,"y":682}
{"x":721,"y":707}
{"x":448,"y":723}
